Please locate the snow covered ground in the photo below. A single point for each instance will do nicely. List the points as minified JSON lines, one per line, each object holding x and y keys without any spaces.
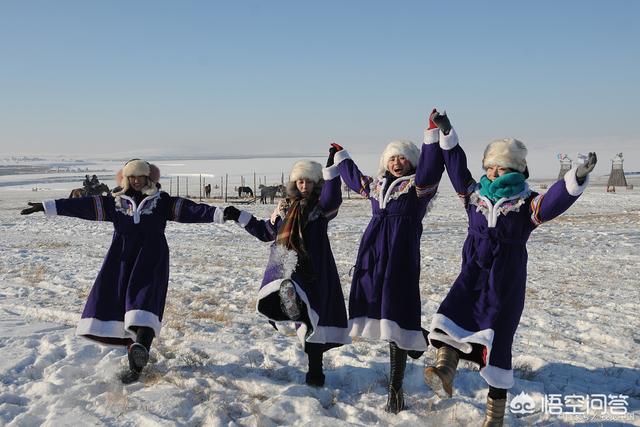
{"x":219,"y":363}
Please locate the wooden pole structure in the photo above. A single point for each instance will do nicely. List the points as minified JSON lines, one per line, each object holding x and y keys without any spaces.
{"x":226,"y":183}
{"x":200,"y":183}
{"x":178,"y":185}
{"x":170,"y":185}
{"x":255,"y":189}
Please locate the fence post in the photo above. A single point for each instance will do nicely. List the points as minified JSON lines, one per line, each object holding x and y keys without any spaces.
{"x":226,"y":183}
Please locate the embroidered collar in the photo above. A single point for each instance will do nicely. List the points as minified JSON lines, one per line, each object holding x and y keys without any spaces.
{"x":127,"y":206}
{"x":397,"y":188}
{"x":502,"y":206}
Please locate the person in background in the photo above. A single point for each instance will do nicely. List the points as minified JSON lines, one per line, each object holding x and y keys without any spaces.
{"x":479,"y":316}
{"x":126,"y":303}
{"x":301,"y":282}
{"x":384,"y":302}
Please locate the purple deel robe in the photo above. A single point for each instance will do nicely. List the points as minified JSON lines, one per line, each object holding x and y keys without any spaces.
{"x":131,"y":287}
{"x":384,"y":302}
{"x":481,"y":312}
{"x":322,"y":296}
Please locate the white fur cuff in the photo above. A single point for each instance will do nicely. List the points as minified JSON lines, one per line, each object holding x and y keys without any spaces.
{"x":431,"y":136}
{"x":244,"y":218}
{"x":340,"y":156}
{"x":571,"y":182}
{"x":330,"y":173}
{"x":218,"y":216}
{"x":50,"y":209}
{"x":447,"y":142}
{"x":497,"y":377}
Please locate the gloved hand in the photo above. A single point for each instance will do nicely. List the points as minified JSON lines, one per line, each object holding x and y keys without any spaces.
{"x":431,"y":124}
{"x":231,"y":213}
{"x":35,"y":207}
{"x":332,"y":153}
{"x":441,"y":121}
{"x":585,"y":169}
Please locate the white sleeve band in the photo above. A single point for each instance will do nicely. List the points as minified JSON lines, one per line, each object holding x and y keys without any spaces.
{"x":50,"y":209}
{"x":330,"y":172}
{"x":447,"y":142}
{"x":431,"y":136}
{"x":218,"y":216}
{"x":571,"y":182}
{"x":244,"y":218}
{"x":340,"y":156}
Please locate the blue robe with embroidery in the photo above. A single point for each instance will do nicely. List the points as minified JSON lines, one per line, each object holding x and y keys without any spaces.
{"x":131,"y":287}
{"x":384,"y":302}
{"x":481,"y":312}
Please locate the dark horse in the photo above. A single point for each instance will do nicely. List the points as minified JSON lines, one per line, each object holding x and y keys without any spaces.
{"x":98,"y":190}
{"x":207,"y":191}
{"x":245,"y":190}
{"x":271,"y":192}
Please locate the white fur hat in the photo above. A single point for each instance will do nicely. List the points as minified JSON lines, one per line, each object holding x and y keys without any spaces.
{"x":508,"y":153}
{"x":402,"y":148}
{"x":306,"y":169}
{"x":137,"y":167}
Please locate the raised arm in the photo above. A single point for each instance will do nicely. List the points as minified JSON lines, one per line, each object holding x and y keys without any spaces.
{"x":94,"y":208}
{"x":188,"y":211}
{"x":431,"y":164}
{"x":331,"y":195}
{"x":563,"y":193}
{"x":455,"y":159}
{"x":351,"y":175}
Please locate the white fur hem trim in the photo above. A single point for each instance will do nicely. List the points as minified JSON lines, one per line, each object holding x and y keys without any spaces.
{"x":321,"y":334}
{"x":218,"y":216}
{"x":431,"y":136}
{"x":340,"y":156}
{"x":142,"y":318}
{"x":459,"y":337}
{"x":387,"y":330}
{"x":497,"y":377}
{"x":571,"y":182}
{"x":103,"y":328}
{"x":244,"y":218}
{"x":330,"y":172}
{"x":447,"y":142}
{"x":50,"y":209}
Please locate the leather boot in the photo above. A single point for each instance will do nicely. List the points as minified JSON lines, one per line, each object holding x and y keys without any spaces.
{"x":494,"y":416}
{"x":138,"y":354}
{"x":315,"y":376}
{"x":440,"y":377}
{"x":398,"y":362}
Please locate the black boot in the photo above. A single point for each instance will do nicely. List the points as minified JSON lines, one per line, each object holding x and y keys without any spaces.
{"x":138,"y":354}
{"x":398,"y":361}
{"x":315,"y":376}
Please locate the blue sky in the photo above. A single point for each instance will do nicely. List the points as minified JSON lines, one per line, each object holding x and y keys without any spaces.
{"x":284,"y":76}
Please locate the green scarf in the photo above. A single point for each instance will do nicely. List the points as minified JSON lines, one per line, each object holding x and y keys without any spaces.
{"x":506,"y":185}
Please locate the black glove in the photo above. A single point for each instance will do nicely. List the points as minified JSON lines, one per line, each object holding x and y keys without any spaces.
{"x":231,"y":213}
{"x":585,"y":169}
{"x":35,"y":207}
{"x":332,"y":153}
{"x":442,"y":121}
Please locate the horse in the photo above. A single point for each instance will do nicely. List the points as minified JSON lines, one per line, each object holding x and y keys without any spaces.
{"x":98,"y":190}
{"x":245,"y":190}
{"x":270,"y":192}
{"x":207,"y":191}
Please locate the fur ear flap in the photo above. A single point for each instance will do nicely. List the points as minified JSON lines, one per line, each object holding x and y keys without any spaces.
{"x":154,"y":173}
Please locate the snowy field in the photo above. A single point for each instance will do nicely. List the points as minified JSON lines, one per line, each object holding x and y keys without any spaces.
{"x":218,"y":363}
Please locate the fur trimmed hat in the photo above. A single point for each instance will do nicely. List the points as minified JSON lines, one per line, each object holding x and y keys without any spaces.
{"x":508,"y":153}
{"x":137,"y":167}
{"x":399,"y":148}
{"x":306,"y":169}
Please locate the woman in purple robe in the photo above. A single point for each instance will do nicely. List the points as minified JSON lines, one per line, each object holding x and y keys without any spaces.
{"x":479,"y":316}
{"x":301,"y":282}
{"x":384,"y":302}
{"x":126,"y":303}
